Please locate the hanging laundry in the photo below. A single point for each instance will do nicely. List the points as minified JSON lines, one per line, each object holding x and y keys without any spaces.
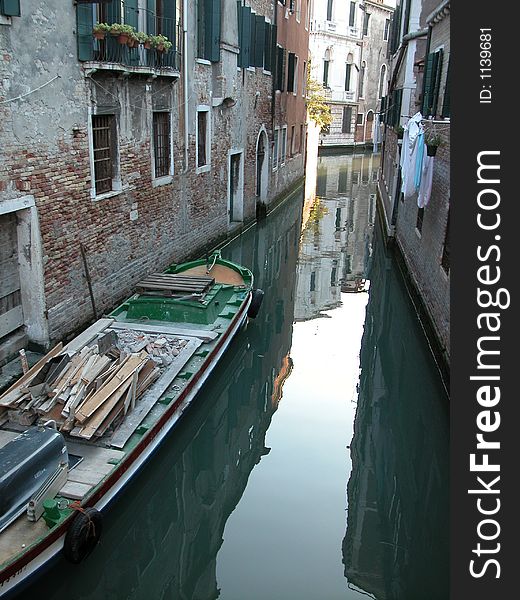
{"x":419,"y":161}
{"x":425,"y":189}
{"x":411,"y":131}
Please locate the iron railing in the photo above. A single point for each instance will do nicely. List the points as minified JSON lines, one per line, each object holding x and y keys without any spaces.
{"x":109,"y":50}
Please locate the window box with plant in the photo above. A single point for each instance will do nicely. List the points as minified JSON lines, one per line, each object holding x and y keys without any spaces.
{"x":432,"y":141}
{"x":160,"y":43}
{"x":100,"y":30}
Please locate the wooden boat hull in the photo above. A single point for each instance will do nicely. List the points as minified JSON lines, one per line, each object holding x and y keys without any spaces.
{"x":38,"y":557}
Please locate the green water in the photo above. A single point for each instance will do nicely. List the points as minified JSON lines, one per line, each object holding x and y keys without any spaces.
{"x":314,"y":465}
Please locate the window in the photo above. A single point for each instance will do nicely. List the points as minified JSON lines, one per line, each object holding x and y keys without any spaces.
{"x":366,"y":19}
{"x":162,"y":144}
{"x":420,"y":218}
{"x":10,"y":8}
{"x":342,"y":189}
{"x":104,"y":142}
{"x":292,"y":72}
{"x":280,"y":68}
{"x":275,"y":148}
{"x":359,"y":120}
{"x":352,"y":15}
{"x":387,"y":29}
{"x":346,"y":126}
{"x":203,"y":139}
{"x":329,"y":10}
{"x":208,"y":29}
{"x":382,"y":79}
{"x":300,"y":145}
{"x":283,"y":145}
{"x":362,"y":79}
{"x":293,"y":140}
{"x":304,"y":78}
{"x":445,"y":259}
{"x":313,"y":281}
{"x":325,"y":73}
{"x":431,"y":83}
{"x":348,"y":72}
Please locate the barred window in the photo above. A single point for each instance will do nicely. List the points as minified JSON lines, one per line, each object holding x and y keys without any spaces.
{"x":104,"y":144}
{"x":162,"y":143}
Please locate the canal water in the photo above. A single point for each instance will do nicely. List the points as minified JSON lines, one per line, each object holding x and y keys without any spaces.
{"x":314,"y":465}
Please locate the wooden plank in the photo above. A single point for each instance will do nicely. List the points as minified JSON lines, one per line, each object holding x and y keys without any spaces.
{"x":87,"y":336}
{"x":10,"y":282}
{"x":86,"y":476}
{"x":90,"y":453}
{"x":109,"y":410}
{"x":119,"y":379}
{"x":134,"y":418}
{"x":205,"y":335}
{"x":75,"y":490}
{"x":8,"y":396}
{"x":11,"y":320}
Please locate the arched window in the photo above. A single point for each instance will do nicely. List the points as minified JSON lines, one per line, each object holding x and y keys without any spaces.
{"x":382,"y":82}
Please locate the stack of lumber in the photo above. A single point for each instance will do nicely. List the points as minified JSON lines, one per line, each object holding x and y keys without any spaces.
{"x":89,"y":390}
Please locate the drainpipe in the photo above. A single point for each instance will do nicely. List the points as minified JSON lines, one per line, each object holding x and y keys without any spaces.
{"x":185,"y":79}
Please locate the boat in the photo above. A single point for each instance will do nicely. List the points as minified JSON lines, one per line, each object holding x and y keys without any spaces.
{"x":79,"y":425}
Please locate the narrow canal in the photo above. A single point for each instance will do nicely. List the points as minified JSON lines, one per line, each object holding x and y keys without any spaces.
{"x":314,"y":465}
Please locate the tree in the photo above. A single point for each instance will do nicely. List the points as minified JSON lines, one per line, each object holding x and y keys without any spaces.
{"x":317,"y":107}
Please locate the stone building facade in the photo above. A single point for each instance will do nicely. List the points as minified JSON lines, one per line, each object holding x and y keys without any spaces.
{"x":117,"y":161}
{"x":420,"y":82}
{"x":348,"y":46}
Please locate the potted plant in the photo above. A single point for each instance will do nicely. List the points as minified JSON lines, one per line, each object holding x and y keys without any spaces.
{"x":144,"y":39}
{"x":133,"y":40}
{"x":433,"y":141}
{"x":100,"y":30}
{"x":123,"y":32}
{"x":161,"y":43}
{"x":400,"y":132}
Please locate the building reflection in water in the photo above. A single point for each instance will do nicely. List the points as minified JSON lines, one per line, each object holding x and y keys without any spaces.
{"x":162,"y":538}
{"x":337,"y":236}
{"x":396,"y":545}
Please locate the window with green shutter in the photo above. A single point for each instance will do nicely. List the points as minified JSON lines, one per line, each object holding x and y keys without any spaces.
{"x":268,"y":47}
{"x":259,"y":41}
{"x":244,"y":35}
{"x":208,"y":29}
{"x":84,"y":25}
{"x":10,"y":8}
{"x":431,"y":83}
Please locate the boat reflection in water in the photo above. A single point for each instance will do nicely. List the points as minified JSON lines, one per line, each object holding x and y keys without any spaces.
{"x":396,"y":545}
{"x":161,"y":539}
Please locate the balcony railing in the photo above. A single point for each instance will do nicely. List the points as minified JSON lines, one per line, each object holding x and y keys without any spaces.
{"x":139,"y":58}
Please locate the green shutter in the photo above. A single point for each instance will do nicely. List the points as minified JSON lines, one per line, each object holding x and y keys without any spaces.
{"x":245,"y":44}
{"x":446,"y":101}
{"x":429,"y":83}
{"x":150,"y":17}
{"x":85,"y":23}
{"x":170,"y":22}
{"x":10,"y":8}
{"x":212,"y":30}
{"x":437,"y":81}
{"x":290,"y":72}
{"x":398,"y":103}
{"x":131,"y":13}
{"x":252,"y":40}
{"x":268,"y":47}
{"x":258,"y":60}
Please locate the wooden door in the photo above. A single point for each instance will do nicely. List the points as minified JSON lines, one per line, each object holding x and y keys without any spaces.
{"x":11,"y":313}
